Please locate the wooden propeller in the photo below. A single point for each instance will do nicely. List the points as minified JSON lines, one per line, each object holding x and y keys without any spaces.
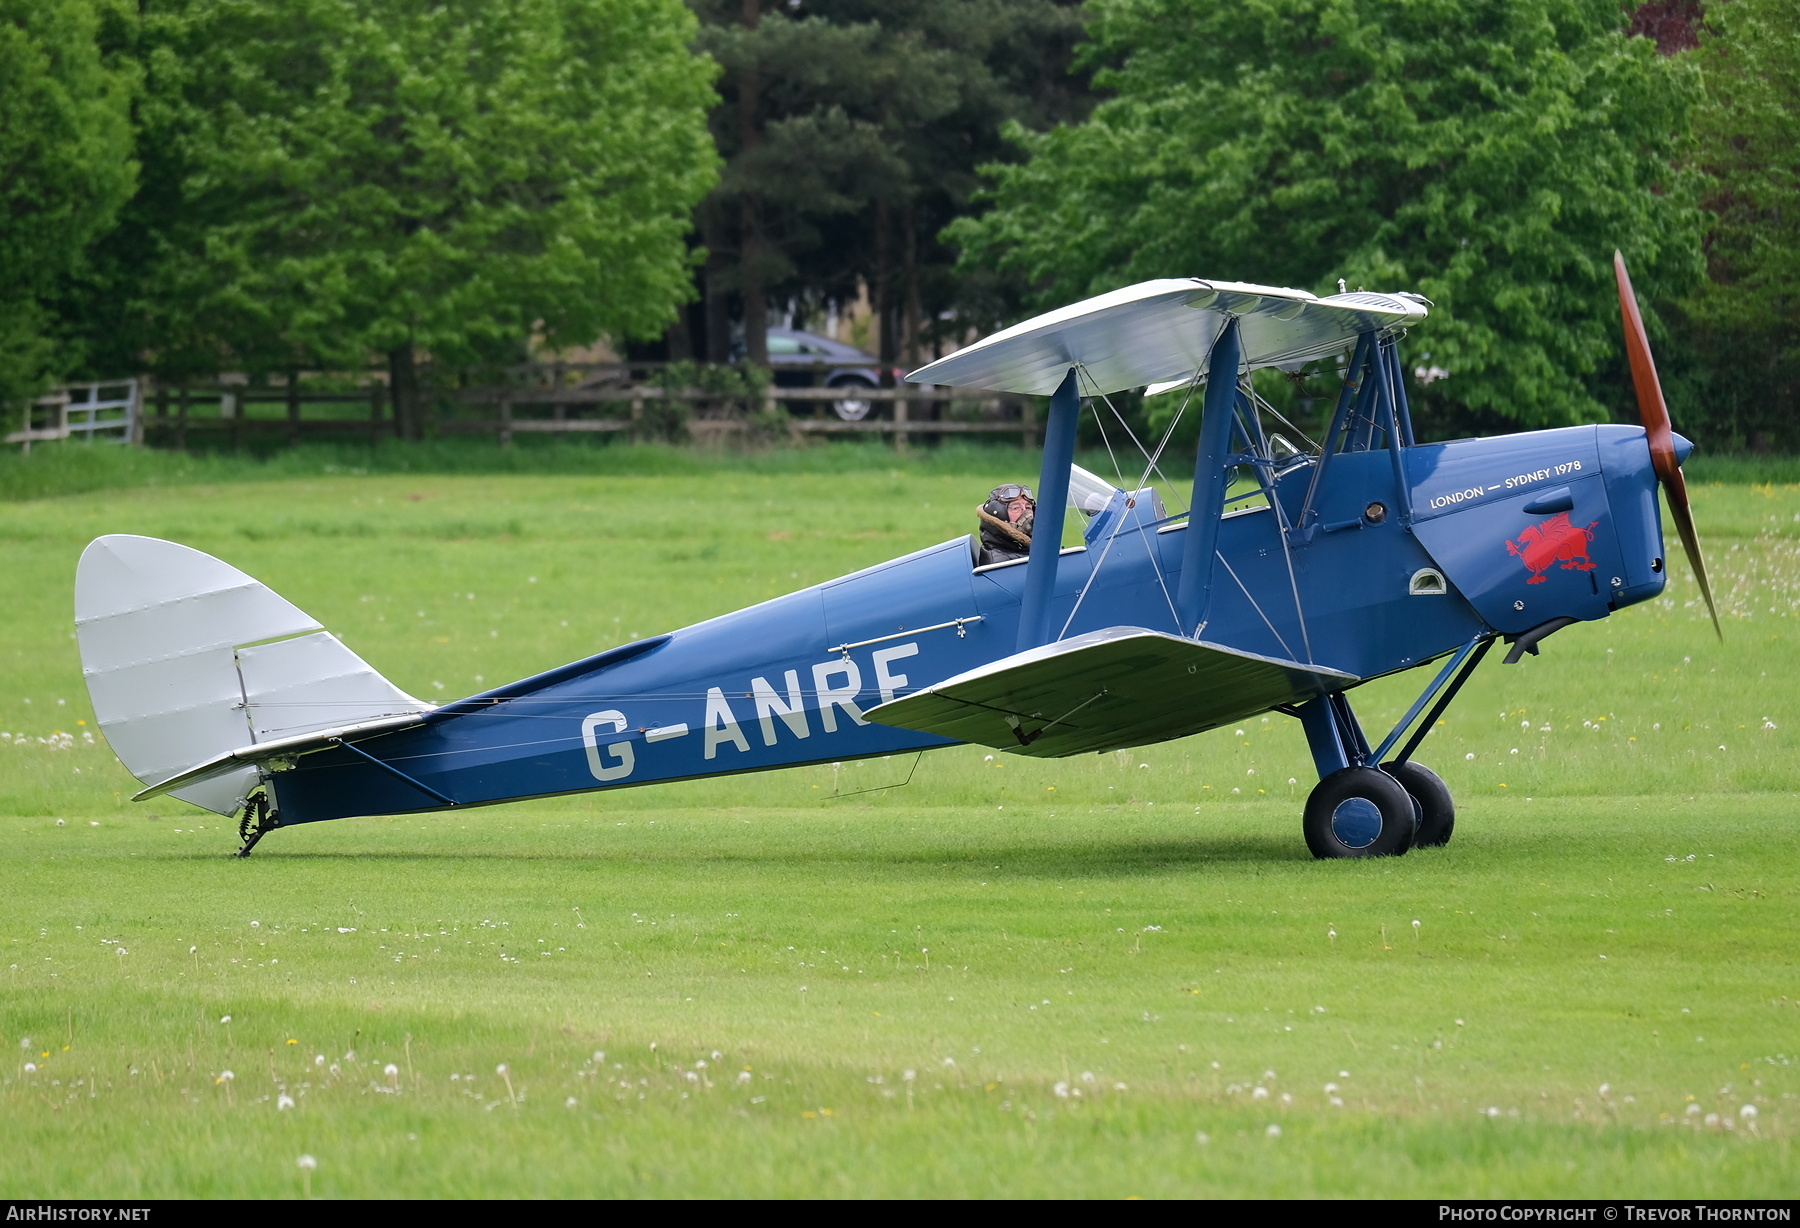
{"x":1655,"y":414}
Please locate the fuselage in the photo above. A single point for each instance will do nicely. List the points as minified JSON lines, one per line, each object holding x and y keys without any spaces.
{"x":1516,"y":530}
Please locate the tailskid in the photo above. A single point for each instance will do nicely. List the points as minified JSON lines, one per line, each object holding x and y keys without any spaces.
{"x":260,"y":818}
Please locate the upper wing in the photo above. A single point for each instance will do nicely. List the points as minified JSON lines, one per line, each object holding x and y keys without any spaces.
{"x":1163,"y":330}
{"x":1123,"y":686}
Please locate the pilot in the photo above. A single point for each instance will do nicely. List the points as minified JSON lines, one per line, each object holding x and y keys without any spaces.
{"x":1006,"y":523}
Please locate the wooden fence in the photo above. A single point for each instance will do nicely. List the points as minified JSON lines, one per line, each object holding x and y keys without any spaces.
{"x":573,"y":399}
{"x":108,"y":409}
{"x":912,"y":412}
{"x":628,"y":399}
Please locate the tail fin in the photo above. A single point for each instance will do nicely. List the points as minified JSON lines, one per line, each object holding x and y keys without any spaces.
{"x":187,"y":658}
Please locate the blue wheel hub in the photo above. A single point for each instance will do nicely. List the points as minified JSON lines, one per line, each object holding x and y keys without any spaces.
{"x":1356,"y":822}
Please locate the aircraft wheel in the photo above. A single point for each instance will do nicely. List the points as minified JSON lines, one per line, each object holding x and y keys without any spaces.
{"x":1359,"y":812}
{"x":1437,"y":810}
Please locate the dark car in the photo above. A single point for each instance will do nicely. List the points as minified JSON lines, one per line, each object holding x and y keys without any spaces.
{"x":806,"y":360}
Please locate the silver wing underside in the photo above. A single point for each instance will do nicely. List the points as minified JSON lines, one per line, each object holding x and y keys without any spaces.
{"x":1163,"y":330}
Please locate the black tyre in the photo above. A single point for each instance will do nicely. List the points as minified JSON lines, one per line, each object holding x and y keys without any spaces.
{"x":854,"y":408}
{"x":1359,"y":812}
{"x":1437,"y":810}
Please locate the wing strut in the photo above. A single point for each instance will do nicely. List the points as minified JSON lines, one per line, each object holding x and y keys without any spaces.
{"x":1053,"y":496}
{"x":1193,"y":596}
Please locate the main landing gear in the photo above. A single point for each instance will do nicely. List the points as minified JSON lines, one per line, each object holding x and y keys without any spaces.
{"x":1361,"y":810}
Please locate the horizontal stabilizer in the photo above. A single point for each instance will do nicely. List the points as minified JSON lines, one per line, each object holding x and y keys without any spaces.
{"x":272,"y":754}
{"x":1123,"y":686}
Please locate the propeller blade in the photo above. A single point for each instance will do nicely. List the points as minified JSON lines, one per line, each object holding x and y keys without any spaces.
{"x":1654,"y":412}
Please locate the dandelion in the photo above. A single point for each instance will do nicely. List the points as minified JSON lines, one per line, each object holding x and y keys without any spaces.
{"x":1061,"y":1089}
{"x":30,"y":1067}
{"x":393,"y":1075}
{"x":570,"y":1103}
{"x":1261,"y":1093}
{"x":306,"y":1164}
{"x":283,"y":1102}
{"x":743,"y":1076}
{"x":1748,"y":1113}
{"x":1274,"y":1131}
{"x":507,"y":1076}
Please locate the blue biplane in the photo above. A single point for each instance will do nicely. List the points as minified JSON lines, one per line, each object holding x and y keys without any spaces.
{"x":1329,"y":564}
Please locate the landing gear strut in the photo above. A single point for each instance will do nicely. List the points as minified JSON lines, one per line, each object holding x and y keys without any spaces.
{"x":259,"y":820}
{"x":1359,"y":810}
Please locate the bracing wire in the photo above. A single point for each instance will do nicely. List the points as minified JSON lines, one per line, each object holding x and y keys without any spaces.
{"x":1252,"y":600}
{"x":1281,"y":527}
{"x":1100,"y":421}
{"x":1151,"y":467}
{"x":1153,"y":457}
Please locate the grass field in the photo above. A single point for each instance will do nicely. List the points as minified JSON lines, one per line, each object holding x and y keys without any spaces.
{"x":1104,"y":976}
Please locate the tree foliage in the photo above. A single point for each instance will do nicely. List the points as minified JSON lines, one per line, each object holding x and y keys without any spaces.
{"x":1490,"y":156}
{"x":65,"y":169}
{"x":332,"y":177}
{"x":1746,"y":316}
{"x":852,"y":132}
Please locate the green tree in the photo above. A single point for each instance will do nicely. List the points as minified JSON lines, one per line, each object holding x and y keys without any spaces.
{"x":1746,"y":316}
{"x":852,"y":132}
{"x":335,"y":177}
{"x":1489,"y":156}
{"x":65,"y":169}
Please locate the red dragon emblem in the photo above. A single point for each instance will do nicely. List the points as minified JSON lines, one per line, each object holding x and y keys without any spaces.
{"x":1553,"y":541}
